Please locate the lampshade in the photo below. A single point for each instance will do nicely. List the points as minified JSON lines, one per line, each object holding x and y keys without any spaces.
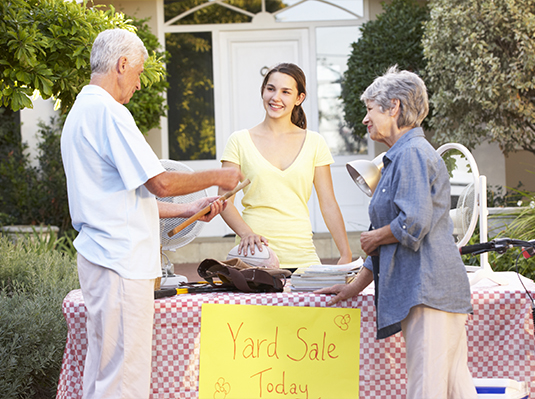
{"x":366,"y":174}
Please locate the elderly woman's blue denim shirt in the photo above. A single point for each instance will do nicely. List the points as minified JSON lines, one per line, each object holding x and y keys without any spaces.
{"x":425,"y":267}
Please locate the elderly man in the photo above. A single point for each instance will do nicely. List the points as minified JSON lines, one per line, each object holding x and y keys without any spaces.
{"x":113,"y":177}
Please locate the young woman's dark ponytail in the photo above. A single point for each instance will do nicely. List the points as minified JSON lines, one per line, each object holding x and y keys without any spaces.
{"x":299,"y":118}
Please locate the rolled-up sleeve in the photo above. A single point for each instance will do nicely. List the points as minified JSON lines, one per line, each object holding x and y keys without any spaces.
{"x":411,"y":186}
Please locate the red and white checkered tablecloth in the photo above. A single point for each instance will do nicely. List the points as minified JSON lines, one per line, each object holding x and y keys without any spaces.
{"x":501,"y":341}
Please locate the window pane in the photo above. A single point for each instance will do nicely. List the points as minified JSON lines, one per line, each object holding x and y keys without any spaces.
{"x":215,"y":13}
{"x":211,"y":14}
{"x":333,"y":49}
{"x":190,"y":96}
{"x":318,"y":11}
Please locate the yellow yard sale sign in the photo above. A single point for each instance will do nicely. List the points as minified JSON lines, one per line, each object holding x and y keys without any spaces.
{"x":250,"y":352}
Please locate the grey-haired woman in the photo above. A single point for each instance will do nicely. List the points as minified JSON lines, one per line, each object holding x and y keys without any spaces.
{"x":421,"y":285}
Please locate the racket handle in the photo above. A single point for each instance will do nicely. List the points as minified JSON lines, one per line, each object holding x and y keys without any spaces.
{"x":206,"y":209}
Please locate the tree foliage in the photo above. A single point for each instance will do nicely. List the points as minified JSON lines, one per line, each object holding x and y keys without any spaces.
{"x":481,"y":69}
{"x":393,"y":38}
{"x":148,"y":104}
{"x":46,"y":45}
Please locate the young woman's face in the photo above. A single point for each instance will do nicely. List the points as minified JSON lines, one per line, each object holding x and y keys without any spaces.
{"x":280,"y":95}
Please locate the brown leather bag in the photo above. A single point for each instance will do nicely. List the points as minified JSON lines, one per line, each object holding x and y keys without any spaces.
{"x":238,"y":275}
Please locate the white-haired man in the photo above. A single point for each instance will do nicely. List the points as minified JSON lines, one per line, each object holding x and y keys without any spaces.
{"x":113,"y":178}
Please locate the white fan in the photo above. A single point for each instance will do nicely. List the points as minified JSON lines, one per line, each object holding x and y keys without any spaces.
{"x":471,"y":206}
{"x":463,"y":215}
{"x":184,"y":236}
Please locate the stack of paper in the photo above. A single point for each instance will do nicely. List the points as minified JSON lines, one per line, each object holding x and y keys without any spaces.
{"x":319,"y":276}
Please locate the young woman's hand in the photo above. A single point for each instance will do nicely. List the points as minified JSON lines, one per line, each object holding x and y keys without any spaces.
{"x":249,"y":243}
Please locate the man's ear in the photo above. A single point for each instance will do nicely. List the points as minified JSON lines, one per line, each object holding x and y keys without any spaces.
{"x":121,"y":65}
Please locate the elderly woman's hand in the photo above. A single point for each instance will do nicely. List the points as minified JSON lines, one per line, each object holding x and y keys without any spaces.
{"x":342,"y":291}
{"x":368,"y":242}
{"x":347,"y":291}
{"x":371,"y":240}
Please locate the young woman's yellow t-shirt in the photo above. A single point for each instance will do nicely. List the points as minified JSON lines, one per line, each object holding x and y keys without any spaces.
{"x":275,"y":203}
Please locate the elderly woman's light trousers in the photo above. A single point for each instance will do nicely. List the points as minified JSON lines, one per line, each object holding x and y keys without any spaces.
{"x":437,"y":355}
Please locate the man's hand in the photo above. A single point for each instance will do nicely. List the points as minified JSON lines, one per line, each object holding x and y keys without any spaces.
{"x":230,"y":177}
{"x":216,"y":207}
{"x":170,"y":210}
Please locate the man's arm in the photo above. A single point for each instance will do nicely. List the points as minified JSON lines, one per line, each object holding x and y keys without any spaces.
{"x":171,"y":183}
{"x":170,"y":210}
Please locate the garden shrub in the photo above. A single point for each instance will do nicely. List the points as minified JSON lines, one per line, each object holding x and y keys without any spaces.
{"x":33,"y":283}
{"x":522,"y":228}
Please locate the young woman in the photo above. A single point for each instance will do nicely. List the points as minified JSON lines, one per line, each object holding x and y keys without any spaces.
{"x":283,"y":160}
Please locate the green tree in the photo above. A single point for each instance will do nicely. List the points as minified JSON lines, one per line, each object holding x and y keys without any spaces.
{"x":393,"y":38}
{"x":38,"y":195}
{"x":148,"y":105}
{"x":481,"y":69}
{"x":45,"y":46}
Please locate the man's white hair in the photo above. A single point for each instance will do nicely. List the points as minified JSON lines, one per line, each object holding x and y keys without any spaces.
{"x":112,"y":44}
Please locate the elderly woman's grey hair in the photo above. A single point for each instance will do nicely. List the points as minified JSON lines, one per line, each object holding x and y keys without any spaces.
{"x":405,"y":86}
{"x":112,"y":44}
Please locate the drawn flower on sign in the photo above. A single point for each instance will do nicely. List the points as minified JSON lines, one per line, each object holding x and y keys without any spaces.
{"x":222,"y":388}
{"x":342,"y":321}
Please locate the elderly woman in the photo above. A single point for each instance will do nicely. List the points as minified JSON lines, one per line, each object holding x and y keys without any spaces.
{"x":421,"y":285}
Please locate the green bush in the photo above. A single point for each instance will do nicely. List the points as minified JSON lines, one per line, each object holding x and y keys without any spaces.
{"x":480,"y":66}
{"x":52,"y":195}
{"x":18,"y":178}
{"x":34,"y":280}
{"x":33,"y":195}
{"x":522,"y":228}
{"x":393,"y":38}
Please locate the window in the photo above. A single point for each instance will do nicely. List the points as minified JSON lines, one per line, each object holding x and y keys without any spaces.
{"x":333,"y":46}
{"x":311,"y":10}
{"x":190,"y":96}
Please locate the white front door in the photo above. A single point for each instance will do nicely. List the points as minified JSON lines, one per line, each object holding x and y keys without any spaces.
{"x":245,"y":58}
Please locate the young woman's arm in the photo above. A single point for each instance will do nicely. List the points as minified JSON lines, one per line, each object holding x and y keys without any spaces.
{"x":232,"y":217}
